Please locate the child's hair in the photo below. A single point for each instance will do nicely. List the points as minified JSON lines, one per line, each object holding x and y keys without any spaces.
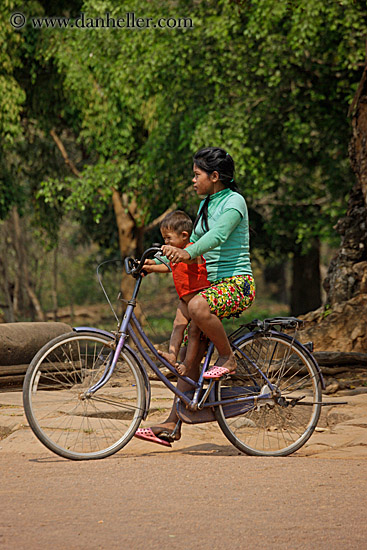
{"x":214,"y":159}
{"x":177,"y":221}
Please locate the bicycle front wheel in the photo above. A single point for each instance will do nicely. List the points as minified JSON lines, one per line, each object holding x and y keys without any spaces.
{"x":280,"y":425}
{"x":60,"y":412}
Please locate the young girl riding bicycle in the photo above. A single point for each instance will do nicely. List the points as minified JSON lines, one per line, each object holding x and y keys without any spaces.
{"x":221,"y":236}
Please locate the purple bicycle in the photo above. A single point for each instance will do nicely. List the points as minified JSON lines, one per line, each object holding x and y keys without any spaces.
{"x":86,"y":392}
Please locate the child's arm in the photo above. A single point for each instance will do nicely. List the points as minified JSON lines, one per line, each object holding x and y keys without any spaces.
{"x":151,"y":267}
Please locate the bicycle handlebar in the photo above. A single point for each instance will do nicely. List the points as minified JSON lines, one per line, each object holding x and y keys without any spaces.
{"x":134,"y":267}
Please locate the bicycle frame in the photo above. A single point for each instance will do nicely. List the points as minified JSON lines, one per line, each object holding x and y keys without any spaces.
{"x":107,"y":388}
{"x":129,"y":322}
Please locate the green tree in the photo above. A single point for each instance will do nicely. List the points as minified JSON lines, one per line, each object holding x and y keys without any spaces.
{"x":269,"y":81}
{"x":30,"y":93}
{"x":12,"y":97}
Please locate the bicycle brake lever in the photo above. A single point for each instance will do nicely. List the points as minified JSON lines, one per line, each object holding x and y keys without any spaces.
{"x":159,"y":257}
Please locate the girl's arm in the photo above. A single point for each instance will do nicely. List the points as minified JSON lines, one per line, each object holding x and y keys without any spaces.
{"x":223,"y":228}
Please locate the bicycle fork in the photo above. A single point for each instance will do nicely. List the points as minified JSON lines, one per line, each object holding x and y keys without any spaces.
{"x":113,"y":358}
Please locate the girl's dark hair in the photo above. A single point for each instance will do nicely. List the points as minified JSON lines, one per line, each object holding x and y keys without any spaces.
{"x":214,"y":159}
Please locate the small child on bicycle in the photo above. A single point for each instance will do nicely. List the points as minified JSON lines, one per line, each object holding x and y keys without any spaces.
{"x":189,"y":279}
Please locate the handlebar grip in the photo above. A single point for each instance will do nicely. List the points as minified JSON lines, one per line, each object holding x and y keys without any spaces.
{"x":127,"y":264}
{"x":134,"y":267}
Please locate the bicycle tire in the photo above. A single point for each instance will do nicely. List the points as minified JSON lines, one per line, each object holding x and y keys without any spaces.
{"x":58,"y":413}
{"x":272,"y":427}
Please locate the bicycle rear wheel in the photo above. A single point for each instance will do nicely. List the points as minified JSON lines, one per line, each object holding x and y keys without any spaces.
{"x":62,"y":417}
{"x":280,"y":425}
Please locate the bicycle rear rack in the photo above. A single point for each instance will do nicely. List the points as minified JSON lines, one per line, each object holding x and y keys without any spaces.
{"x":284,"y":323}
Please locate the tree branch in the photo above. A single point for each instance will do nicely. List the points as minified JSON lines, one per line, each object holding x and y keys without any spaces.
{"x":171,"y":208}
{"x":158,"y":220}
{"x":131,"y":205}
{"x":65,"y":156}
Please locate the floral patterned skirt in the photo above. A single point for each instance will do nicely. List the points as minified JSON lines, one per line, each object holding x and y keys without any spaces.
{"x":229,"y":297}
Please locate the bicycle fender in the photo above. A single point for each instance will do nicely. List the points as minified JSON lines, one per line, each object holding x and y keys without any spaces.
{"x":133,"y":353}
{"x":317,"y":367}
{"x":305,"y":350}
{"x":95,"y":331}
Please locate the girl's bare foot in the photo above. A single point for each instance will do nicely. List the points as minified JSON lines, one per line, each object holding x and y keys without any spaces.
{"x":169,"y":357}
{"x":227,"y":362}
{"x":166,"y":429}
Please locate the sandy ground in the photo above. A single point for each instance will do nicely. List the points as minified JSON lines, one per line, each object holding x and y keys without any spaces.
{"x":340,"y":432}
{"x":201,"y":493}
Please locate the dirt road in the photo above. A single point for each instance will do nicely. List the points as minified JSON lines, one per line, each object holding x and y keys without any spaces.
{"x":199,"y":494}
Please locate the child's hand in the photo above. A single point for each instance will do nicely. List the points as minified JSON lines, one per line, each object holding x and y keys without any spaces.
{"x":148,"y":267}
{"x":151,"y":267}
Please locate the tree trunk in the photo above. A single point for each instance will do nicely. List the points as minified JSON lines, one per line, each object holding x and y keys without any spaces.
{"x":306,"y":281}
{"x":127,"y":238}
{"x":5,"y":283}
{"x":276,"y":281}
{"x":18,"y":240}
{"x":130,"y":235}
{"x":347,"y":273}
{"x":55,"y":271}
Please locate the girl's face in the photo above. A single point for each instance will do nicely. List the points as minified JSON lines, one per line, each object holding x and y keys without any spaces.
{"x":179,"y":240}
{"x":205,"y":184}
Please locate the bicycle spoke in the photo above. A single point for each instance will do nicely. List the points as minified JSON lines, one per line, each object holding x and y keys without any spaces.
{"x":60,"y":414}
{"x":116,"y":404}
{"x":273,"y":426}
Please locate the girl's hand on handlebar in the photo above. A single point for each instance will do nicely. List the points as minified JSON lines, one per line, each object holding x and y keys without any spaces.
{"x":176,"y":255}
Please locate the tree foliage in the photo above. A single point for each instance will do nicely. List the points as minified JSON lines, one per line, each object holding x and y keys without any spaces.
{"x":268,"y":81}
{"x":12,"y":97}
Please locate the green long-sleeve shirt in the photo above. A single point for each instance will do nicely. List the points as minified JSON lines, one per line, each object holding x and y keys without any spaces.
{"x":225,"y":246}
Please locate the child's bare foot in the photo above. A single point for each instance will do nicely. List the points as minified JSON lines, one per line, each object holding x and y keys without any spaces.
{"x":182,"y":369}
{"x":169,"y":357}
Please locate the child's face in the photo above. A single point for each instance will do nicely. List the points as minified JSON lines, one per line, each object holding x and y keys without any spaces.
{"x":179,"y":240}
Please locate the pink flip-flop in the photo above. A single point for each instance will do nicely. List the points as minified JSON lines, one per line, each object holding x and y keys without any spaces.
{"x":147,"y":434}
{"x":216,"y":372}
